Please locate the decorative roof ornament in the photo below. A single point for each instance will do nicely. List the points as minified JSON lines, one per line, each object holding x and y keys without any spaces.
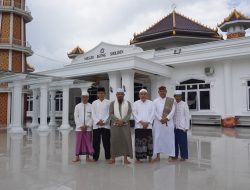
{"x":233,"y":16}
{"x":235,"y":24}
{"x":75,"y":52}
{"x":173,"y":6}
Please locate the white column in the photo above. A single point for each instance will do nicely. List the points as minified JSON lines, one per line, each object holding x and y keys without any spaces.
{"x":153,"y":89}
{"x":228,"y":88}
{"x":156,"y":82}
{"x":53,"y":109}
{"x":114,"y":83}
{"x":11,"y":27}
{"x":22,"y":116}
{"x":65,"y":116}
{"x":23,"y":62}
{"x":10,"y":60}
{"x":43,"y":108}
{"x":35,"y":108}
{"x":17,"y":108}
{"x":128,"y":84}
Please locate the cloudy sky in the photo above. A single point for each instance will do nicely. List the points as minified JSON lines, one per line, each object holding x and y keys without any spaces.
{"x":60,"y":25}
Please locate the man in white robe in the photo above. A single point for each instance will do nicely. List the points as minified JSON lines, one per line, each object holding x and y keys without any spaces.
{"x":182,"y":124}
{"x":84,"y":122}
{"x":163,"y":129}
{"x":143,"y":111}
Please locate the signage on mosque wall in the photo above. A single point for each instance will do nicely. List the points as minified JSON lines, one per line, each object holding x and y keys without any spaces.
{"x":105,"y":50}
{"x":102,"y":53}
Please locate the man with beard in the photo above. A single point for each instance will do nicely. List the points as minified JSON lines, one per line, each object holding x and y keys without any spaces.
{"x":121,"y":142}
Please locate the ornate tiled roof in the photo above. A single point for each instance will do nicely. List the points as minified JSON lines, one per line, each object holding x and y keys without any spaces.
{"x":234,"y":15}
{"x":76,"y":51}
{"x":176,"y":24}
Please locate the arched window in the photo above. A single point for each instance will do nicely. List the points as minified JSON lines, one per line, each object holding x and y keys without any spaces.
{"x":196,"y":93}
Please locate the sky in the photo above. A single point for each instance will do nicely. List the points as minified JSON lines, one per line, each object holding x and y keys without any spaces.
{"x":58,"y":26}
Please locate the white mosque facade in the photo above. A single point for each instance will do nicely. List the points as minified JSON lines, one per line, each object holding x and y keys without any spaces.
{"x":213,"y":74}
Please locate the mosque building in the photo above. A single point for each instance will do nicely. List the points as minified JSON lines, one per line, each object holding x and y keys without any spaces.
{"x":213,"y":73}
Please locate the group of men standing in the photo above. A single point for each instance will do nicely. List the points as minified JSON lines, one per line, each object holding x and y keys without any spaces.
{"x":160,"y":127}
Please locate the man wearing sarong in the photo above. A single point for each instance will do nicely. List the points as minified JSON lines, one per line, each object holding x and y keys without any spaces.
{"x":143,"y":111}
{"x":121,"y":143}
{"x":83,"y":121}
{"x":163,"y":129}
{"x":182,"y":124}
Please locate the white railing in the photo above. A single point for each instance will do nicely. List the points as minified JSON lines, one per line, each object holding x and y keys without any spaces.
{"x":9,"y":3}
{"x":15,"y":42}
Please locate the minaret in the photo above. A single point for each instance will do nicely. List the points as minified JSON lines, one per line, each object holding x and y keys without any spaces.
{"x":235,"y":25}
{"x":14,"y":49}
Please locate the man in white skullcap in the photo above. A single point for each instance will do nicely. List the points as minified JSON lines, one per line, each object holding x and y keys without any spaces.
{"x":182,"y":124}
{"x":143,"y":111}
{"x":84,"y":122}
{"x":121,"y":143}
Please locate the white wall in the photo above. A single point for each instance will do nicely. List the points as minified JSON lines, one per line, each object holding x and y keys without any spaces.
{"x":240,"y":75}
{"x":196,"y":71}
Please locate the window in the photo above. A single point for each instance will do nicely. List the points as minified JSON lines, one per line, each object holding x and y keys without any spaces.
{"x":30,"y":103}
{"x":248,"y":95}
{"x":196,"y":93}
{"x":59,"y":101}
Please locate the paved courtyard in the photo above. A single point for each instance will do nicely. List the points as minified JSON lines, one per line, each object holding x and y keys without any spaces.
{"x":219,"y":159}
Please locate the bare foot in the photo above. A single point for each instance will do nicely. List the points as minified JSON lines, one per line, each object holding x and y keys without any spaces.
{"x":76,"y":160}
{"x":157,"y":159}
{"x":171,"y":159}
{"x":127,"y":162}
{"x":111,"y":161}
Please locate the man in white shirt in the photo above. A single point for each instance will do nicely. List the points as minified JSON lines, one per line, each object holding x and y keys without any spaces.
{"x":163,"y":129}
{"x":101,"y":126}
{"x":143,"y":111}
{"x":182,"y":124}
{"x":83,"y":121}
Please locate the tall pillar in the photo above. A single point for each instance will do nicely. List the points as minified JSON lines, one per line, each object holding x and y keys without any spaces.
{"x":114,"y":83}
{"x":11,"y":109}
{"x":153,"y":89}
{"x":128,"y":84}
{"x":43,"y":108}
{"x":65,"y":116}
{"x":53,"y":109}
{"x":17,"y":108}
{"x":228,"y":88}
{"x":35,"y":95}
